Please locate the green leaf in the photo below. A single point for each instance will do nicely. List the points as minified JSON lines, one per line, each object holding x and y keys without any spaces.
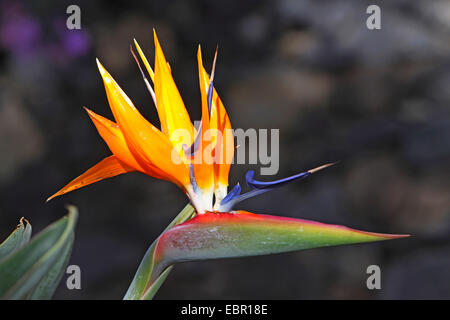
{"x":17,"y":239}
{"x":145,"y":283}
{"x":23,"y":271}
{"x":239,"y":234}
{"x":48,"y":284}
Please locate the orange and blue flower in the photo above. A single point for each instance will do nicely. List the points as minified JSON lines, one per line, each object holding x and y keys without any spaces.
{"x":197,"y":160}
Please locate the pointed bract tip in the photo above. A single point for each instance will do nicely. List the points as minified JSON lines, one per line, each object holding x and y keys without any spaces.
{"x":398,"y":236}
{"x":384,"y":236}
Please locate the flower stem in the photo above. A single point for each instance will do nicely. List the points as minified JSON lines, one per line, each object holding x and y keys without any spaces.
{"x":149,"y":279}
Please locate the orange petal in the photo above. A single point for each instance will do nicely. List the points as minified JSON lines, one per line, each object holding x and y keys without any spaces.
{"x":224,"y":150}
{"x":114,"y":138}
{"x":107,"y":168}
{"x":175,"y":121}
{"x":149,"y":146}
{"x":203,"y":159}
{"x":220,"y":127}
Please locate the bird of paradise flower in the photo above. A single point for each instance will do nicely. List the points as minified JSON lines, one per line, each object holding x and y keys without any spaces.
{"x":215,"y":230}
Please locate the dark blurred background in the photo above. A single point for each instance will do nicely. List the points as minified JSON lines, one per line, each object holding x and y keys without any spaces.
{"x":377,"y":101}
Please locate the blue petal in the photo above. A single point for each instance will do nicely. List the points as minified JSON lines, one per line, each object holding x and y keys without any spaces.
{"x":254,"y":184}
{"x":209,"y":96}
{"x":260,"y":187}
{"x":232,"y":194}
{"x":250,"y":194}
{"x":192,"y":177}
{"x":192,"y":150}
{"x":234,"y":197}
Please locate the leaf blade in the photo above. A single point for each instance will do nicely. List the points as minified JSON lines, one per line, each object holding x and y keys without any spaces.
{"x":46,"y":287}
{"x":22,"y":271}
{"x":17,"y":239}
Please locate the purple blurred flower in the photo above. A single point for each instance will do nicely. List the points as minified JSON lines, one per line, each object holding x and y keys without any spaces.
{"x":19,"y":32}
{"x":76,"y":42}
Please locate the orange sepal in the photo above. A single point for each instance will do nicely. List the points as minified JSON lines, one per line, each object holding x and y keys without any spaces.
{"x":222,"y":135}
{"x":203,"y":158}
{"x":113,"y":136}
{"x":107,"y":168}
{"x":175,"y":121}
{"x":149,"y":146}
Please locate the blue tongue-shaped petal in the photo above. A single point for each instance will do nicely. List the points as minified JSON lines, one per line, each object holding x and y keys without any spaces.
{"x":235,"y":192}
{"x":190,"y":151}
{"x":254,"y":184}
{"x":260,"y":187}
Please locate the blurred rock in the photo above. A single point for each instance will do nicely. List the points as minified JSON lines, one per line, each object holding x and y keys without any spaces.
{"x":252,"y":97}
{"x":418,"y":276}
{"x":297,"y":45}
{"x":397,"y":199}
{"x":21,"y":141}
{"x":252,"y":29}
